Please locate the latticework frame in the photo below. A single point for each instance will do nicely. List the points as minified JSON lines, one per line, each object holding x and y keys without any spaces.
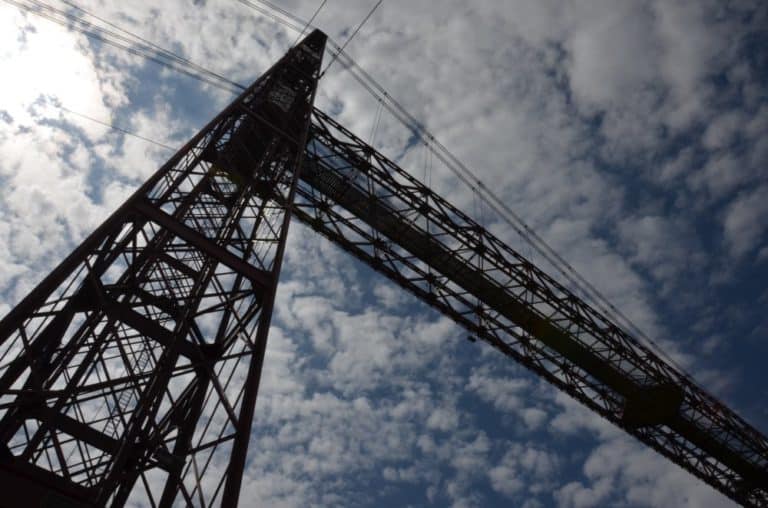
{"x":131,"y":371}
{"x":377,"y":211}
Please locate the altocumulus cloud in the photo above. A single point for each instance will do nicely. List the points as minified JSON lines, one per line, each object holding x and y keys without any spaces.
{"x":630,"y":134}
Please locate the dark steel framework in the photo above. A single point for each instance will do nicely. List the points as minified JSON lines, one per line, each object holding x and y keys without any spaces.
{"x":132,"y":370}
{"x":378,"y":212}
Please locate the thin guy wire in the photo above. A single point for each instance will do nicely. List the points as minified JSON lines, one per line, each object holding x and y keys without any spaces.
{"x":349,"y":39}
{"x":119,"y":129}
{"x":309,"y":23}
{"x":273,"y":16}
{"x":151,"y":44}
{"x":109,"y":37}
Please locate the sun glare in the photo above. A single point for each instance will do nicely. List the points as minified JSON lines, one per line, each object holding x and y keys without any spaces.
{"x":44,"y":63}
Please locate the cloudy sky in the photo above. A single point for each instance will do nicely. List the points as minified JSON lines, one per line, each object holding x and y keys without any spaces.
{"x":632,"y":135}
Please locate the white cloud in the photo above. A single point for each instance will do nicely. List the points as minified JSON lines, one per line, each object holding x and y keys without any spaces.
{"x":524,"y":472}
{"x":568,"y":110}
{"x":743,"y":223}
{"x":620,"y":468}
{"x":443,"y":419}
{"x":639,"y":476}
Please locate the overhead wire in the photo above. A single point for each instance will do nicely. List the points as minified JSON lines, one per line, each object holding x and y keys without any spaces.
{"x":140,"y":46}
{"x":309,"y":23}
{"x":160,"y":55}
{"x":577,"y":281}
{"x":115,"y":127}
{"x":296,"y":23}
{"x":151,"y":44}
{"x":126,"y":41}
{"x":375,"y":124}
{"x":349,"y":39}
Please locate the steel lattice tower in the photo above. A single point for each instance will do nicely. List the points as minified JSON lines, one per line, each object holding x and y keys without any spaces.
{"x":132,"y":370}
{"x":137,"y":361}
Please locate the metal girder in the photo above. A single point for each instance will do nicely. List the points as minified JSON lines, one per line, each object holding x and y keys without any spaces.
{"x":375,"y":210}
{"x":131,"y":371}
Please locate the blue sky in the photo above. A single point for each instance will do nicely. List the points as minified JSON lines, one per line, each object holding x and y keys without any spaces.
{"x":630,"y":134}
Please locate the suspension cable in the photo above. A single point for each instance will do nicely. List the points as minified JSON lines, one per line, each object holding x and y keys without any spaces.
{"x":309,"y":23}
{"x":349,"y":39}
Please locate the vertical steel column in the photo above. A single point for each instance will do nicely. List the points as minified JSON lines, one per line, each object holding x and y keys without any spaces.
{"x":131,"y":371}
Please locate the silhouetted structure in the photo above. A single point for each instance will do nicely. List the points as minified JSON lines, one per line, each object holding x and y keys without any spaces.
{"x":132,"y":370}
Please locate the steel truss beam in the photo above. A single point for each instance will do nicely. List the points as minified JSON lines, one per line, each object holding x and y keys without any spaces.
{"x":375,"y":210}
{"x":131,"y":371}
